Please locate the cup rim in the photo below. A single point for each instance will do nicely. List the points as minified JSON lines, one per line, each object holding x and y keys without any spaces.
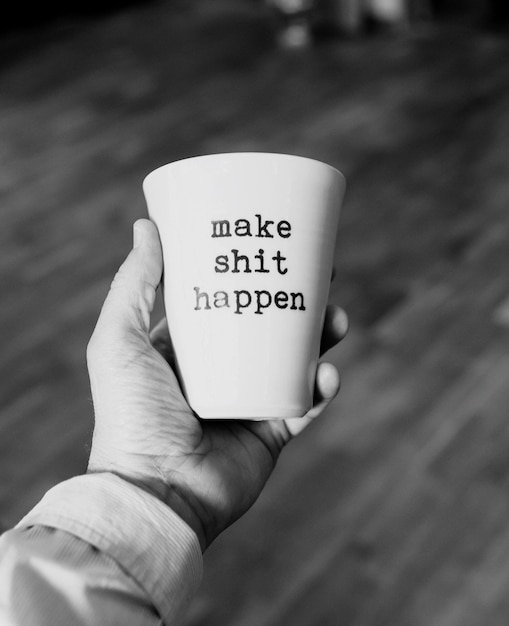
{"x":241,"y":154}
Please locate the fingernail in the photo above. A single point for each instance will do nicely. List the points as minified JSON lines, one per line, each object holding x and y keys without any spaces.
{"x":342,"y":321}
{"x":137,"y":235}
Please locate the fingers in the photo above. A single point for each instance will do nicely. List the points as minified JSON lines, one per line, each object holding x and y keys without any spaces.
{"x":161,"y":341}
{"x":160,"y":334}
{"x":335,"y":327}
{"x":131,"y":298}
{"x":327,"y":386}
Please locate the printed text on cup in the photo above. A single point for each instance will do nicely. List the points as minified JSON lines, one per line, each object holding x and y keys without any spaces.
{"x":233,"y":261}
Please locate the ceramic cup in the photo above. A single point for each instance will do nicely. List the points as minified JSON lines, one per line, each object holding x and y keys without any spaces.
{"x":248,"y":243}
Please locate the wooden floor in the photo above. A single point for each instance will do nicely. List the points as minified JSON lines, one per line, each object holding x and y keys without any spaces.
{"x":393,"y":508}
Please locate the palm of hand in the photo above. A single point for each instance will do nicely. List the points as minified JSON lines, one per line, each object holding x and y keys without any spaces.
{"x":146,"y":432}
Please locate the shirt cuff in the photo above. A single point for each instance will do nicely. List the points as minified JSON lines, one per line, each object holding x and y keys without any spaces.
{"x":144,"y":536}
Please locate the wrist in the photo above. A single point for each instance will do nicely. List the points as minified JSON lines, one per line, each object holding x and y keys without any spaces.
{"x":172,"y":498}
{"x":181,"y":505}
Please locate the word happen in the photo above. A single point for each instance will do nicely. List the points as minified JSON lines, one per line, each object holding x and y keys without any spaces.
{"x":241,"y":299}
{"x":235,"y":262}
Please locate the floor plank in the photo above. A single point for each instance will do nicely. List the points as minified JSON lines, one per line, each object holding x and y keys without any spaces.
{"x":392,"y":508}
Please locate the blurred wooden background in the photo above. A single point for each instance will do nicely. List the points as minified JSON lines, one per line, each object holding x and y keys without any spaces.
{"x":393,"y":508}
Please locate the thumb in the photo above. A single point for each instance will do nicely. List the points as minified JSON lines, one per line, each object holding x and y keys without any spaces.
{"x":131,"y":298}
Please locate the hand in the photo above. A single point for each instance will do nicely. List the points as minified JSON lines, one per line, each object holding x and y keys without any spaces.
{"x":209,"y":472}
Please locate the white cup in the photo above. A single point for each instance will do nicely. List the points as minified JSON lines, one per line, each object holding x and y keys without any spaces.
{"x":248,"y":243}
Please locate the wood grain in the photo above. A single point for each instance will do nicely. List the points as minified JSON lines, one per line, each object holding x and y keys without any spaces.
{"x":392,"y":508}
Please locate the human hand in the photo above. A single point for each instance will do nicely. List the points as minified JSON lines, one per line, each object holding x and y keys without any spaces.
{"x":208,"y":472}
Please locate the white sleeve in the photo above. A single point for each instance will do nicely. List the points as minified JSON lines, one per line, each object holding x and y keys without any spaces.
{"x":98,"y":550}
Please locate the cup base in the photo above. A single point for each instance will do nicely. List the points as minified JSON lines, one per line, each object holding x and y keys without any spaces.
{"x":248,"y":413}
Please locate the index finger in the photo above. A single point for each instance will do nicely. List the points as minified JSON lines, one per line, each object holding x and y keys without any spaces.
{"x":161,"y":340}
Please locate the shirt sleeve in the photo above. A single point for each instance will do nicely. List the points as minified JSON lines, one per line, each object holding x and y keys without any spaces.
{"x":98,"y":550}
